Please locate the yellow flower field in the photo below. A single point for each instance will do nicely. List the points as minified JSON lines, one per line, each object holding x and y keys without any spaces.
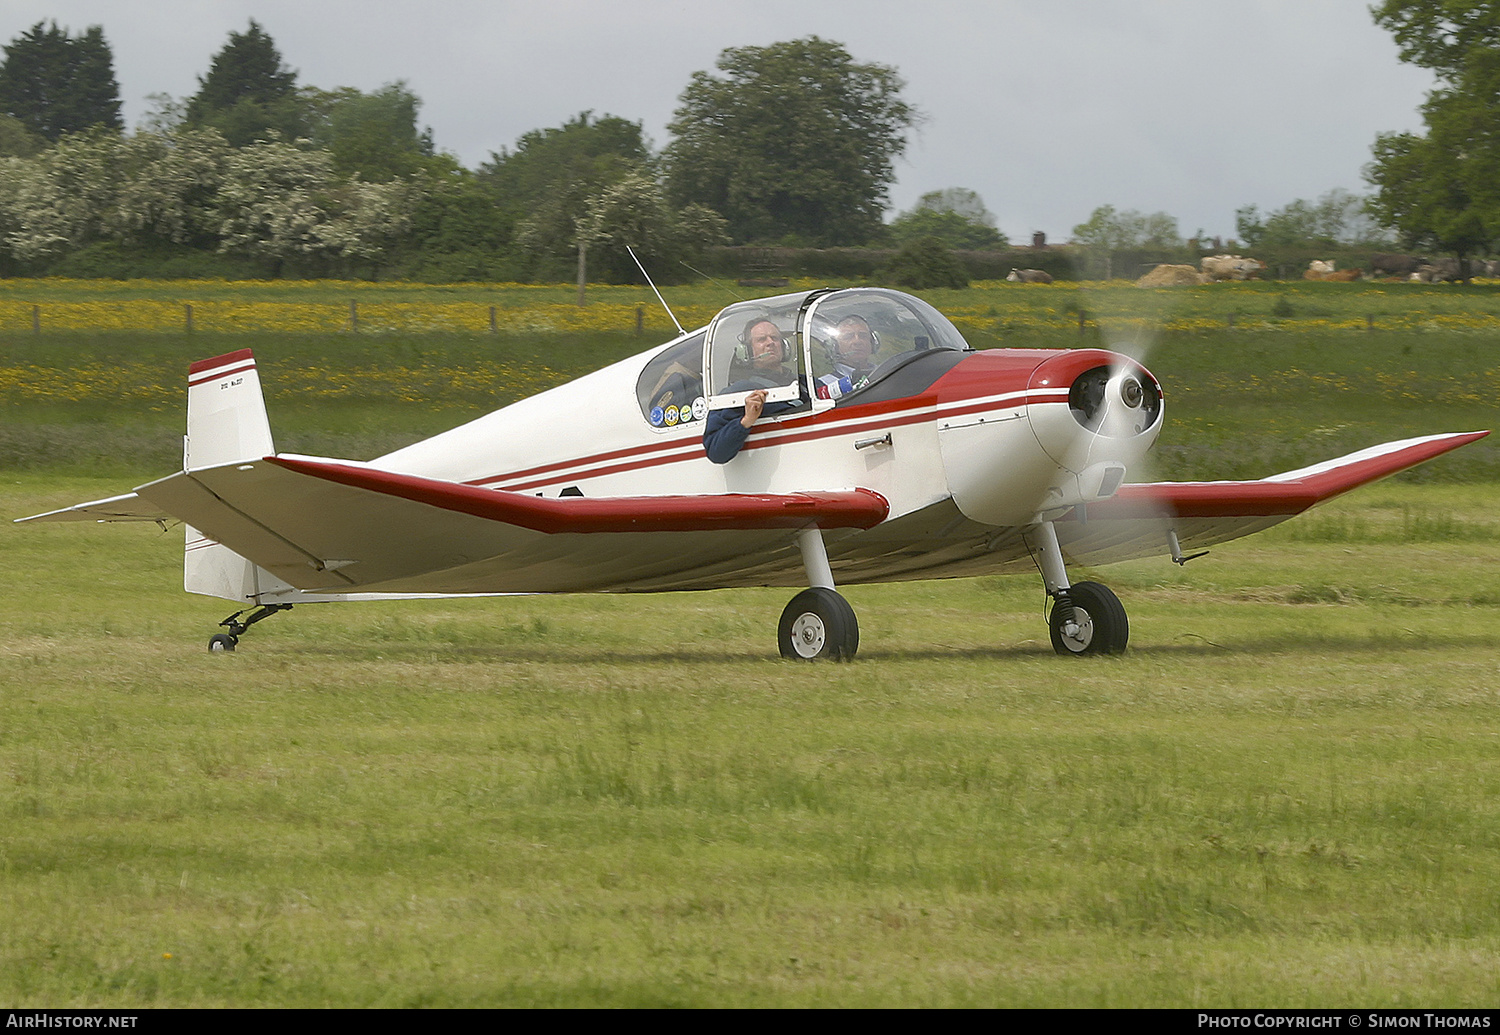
{"x":56,"y":305}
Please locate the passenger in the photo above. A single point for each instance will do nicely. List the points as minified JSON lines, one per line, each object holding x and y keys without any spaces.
{"x":725,"y":432}
{"x":854,"y":346}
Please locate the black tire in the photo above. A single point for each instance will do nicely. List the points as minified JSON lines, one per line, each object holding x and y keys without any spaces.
{"x":220,"y":642}
{"x":1102,"y":627}
{"x":818,"y":624}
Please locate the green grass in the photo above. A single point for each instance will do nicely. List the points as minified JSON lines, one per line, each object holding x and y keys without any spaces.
{"x":1284,"y":794}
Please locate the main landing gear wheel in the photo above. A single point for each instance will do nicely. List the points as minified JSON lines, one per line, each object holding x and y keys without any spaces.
{"x":818,"y":623}
{"x":1089,"y":620}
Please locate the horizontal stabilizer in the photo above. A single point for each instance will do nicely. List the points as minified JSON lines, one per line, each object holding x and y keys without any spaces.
{"x":129,"y":507}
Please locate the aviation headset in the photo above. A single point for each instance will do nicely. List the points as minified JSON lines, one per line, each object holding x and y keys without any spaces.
{"x":832,"y":345}
{"x":742,"y":343}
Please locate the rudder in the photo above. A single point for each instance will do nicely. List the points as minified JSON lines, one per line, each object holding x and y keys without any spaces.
{"x":226,"y":423}
{"x":226,"y":413}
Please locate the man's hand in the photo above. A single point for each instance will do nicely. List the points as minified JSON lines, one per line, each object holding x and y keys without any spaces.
{"x":755,"y":402}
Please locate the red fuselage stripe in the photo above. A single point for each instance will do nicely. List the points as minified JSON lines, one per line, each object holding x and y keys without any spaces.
{"x":216,"y":374}
{"x":220,"y":361}
{"x":830,"y":422}
{"x":848,"y":423}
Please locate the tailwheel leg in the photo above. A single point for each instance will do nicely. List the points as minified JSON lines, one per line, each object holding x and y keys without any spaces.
{"x":818,"y":623}
{"x":1086,"y":617}
{"x":228,"y":641}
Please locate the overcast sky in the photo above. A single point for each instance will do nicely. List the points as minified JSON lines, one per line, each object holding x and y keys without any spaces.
{"x":1047,"y":108}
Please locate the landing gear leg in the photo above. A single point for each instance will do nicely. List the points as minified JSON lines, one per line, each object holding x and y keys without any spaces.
{"x":219,"y":642}
{"x":1086,"y":617}
{"x":818,"y":623}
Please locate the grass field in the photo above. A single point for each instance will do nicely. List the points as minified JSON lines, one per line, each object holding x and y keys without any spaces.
{"x":1285,"y":793}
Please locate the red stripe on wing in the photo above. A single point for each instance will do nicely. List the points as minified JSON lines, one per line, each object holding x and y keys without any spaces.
{"x":1286,"y":494}
{"x":859,"y":508}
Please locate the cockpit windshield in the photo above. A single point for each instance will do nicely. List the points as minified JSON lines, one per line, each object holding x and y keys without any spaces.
{"x":820,"y":345}
{"x":855,"y":336}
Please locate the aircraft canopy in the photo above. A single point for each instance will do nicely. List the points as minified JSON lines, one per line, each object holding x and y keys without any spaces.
{"x":811,"y":348}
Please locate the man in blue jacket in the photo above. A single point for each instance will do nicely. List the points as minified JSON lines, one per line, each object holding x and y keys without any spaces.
{"x":726,"y":430}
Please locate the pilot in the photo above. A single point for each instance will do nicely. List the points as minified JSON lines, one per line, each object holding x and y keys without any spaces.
{"x":725,"y":432}
{"x":854,"y":345}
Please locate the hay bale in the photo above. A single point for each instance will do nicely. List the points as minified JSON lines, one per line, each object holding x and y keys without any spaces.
{"x":1167,"y":275}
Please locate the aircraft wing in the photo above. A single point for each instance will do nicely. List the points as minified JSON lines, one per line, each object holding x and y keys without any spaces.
{"x":1134,"y":522}
{"x":338,"y":526}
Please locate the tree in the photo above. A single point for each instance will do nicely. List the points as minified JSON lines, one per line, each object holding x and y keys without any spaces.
{"x":16,"y":140}
{"x":66,"y":197}
{"x":545,"y":184}
{"x":271,"y":200}
{"x":956,"y":216}
{"x":248,"y":92}
{"x":795,"y":141}
{"x":1109,"y":231}
{"x":1335,"y":219}
{"x":632,"y":213}
{"x":54,"y":83}
{"x":925,"y":263}
{"x":171,"y":183}
{"x":1442,"y":36}
{"x":374,"y":134}
{"x":1439,"y":190}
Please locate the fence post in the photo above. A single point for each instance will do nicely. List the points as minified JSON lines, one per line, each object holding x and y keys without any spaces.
{"x":188,"y":310}
{"x":640,"y":320}
{"x":36,"y":319}
{"x":1369,"y":322}
{"x":493,"y":328}
{"x":353,"y":315}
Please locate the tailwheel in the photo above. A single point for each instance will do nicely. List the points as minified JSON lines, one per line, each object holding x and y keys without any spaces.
{"x":818,"y":623}
{"x":219,"y":643}
{"x":1089,"y":619}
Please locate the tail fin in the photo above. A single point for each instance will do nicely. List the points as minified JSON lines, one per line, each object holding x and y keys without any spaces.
{"x":226,"y":423}
{"x":226,"y":413}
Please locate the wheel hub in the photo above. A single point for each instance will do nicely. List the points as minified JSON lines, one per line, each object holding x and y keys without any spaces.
{"x":1079,"y":632}
{"x":808,"y":634}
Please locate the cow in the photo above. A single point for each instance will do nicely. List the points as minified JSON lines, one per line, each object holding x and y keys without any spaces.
{"x":1230,"y":267}
{"x":1438,"y":271}
{"x":1029,"y":277}
{"x":1321,"y":270}
{"x":1387,"y":265}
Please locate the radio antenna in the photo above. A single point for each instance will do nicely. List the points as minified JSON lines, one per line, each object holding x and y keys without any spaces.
{"x":663,"y":301}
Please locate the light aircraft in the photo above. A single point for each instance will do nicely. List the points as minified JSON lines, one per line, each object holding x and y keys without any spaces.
{"x":940,"y":461}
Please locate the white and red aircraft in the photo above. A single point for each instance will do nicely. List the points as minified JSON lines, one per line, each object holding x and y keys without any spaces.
{"x":939,"y":461}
